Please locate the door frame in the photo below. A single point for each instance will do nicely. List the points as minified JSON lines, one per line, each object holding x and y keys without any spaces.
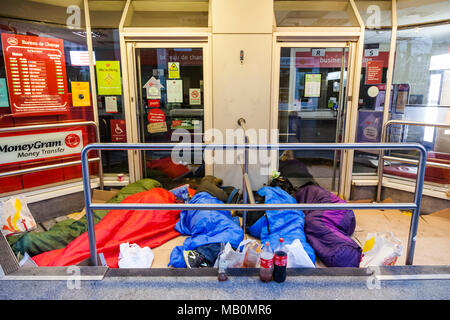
{"x":297,"y":40}
{"x":150,"y":38}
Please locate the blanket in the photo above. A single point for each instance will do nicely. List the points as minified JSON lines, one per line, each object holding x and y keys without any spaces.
{"x":62,"y":233}
{"x":149,"y":228}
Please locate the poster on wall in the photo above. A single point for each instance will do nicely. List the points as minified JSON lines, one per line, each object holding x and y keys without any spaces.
{"x":174,"y":91}
{"x":39,"y":146}
{"x":118,"y":130}
{"x":108,"y":78}
{"x":374,"y":72}
{"x":36,"y":74}
{"x":312,"y":85}
{"x":80,"y":94}
{"x":4,"y":102}
{"x":195,"y":96}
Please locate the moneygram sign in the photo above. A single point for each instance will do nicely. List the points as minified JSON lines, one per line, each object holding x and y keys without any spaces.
{"x":21,"y":148}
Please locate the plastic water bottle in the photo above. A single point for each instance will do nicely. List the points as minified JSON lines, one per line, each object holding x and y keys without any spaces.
{"x":280,"y":262}
{"x":266,"y":263}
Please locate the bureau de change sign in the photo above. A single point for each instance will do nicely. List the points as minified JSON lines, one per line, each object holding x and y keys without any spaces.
{"x":36,"y":74}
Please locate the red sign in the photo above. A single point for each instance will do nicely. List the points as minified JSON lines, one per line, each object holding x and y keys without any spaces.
{"x":332,"y":60}
{"x":153,"y":103}
{"x":374,"y":72}
{"x":118,"y":130}
{"x":36,"y":74}
{"x":156,"y":115}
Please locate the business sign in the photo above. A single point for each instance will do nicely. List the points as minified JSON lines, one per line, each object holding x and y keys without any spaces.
{"x":29,"y":147}
{"x":108,"y":78}
{"x":331,"y":59}
{"x":36,"y":74}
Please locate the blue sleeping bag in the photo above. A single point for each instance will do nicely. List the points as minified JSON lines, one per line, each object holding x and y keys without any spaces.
{"x":204,"y":227}
{"x":288,"y":224}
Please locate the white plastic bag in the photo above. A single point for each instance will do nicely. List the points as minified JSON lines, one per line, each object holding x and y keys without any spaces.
{"x":381,"y":249}
{"x":235,"y":259}
{"x":15,"y":217}
{"x":297,"y":256}
{"x":133,"y":256}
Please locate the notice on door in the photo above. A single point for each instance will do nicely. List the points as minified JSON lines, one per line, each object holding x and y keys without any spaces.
{"x":174,"y":91}
{"x":80,"y":94}
{"x":374,"y":72}
{"x":36,"y":74}
{"x":195,"y":96}
{"x":174,"y":70}
{"x":21,"y":148}
{"x":312,"y":85}
{"x":118,"y":130}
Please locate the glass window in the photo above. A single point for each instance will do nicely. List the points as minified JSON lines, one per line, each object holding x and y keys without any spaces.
{"x":421,"y":83}
{"x":311,"y":109}
{"x":38,"y":80}
{"x":314,"y":14}
{"x":372,"y":92}
{"x":168,"y":14}
{"x":415,"y":12}
{"x":171,"y":103}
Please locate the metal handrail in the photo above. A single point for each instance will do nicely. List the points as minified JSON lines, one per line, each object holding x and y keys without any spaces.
{"x":247,"y":192}
{"x":57,"y":165}
{"x":415,"y":206}
{"x":382,"y":156}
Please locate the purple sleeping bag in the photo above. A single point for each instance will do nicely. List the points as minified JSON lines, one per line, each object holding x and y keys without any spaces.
{"x":329,"y":231}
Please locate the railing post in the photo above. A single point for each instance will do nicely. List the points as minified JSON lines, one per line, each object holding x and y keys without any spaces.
{"x":87,"y":202}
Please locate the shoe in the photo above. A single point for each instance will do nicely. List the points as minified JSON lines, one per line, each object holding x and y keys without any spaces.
{"x":194,"y":259}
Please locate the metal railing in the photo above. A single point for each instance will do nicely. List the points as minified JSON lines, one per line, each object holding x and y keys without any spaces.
{"x":57,"y":165}
{"x":383,"y":157}
{"x":414,"y":206}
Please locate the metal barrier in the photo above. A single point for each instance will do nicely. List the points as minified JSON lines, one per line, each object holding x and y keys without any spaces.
{"x":415,"y":206}
{"x":57,"y":165}
{"x":382,"y":157}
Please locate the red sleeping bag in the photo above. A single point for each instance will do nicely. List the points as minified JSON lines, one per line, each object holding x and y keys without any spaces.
{"x":149,"y":228}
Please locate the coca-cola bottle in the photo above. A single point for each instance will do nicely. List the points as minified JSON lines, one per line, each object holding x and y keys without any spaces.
{"x":266,"y":263}
{"x":280,"y":262}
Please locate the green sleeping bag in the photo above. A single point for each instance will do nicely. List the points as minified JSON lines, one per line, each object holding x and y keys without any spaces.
{"x":62,"y":233}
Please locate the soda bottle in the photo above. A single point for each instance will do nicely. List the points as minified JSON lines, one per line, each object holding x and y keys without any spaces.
{"x":266,"y":263}
{"x":280,"y":262}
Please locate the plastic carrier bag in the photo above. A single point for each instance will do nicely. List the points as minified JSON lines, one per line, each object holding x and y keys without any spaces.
{"x":235,"y":259}
{"x":381,"y":249}
{"x":297,"y":256}
{"x":15,"y":217}
{"x":133,"y":256}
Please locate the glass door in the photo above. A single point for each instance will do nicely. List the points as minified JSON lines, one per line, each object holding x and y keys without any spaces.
{"x":312,"y":109}
{"x":170,"y":108}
